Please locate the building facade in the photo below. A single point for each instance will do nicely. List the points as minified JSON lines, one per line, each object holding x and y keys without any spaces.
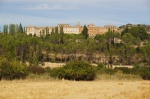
{"x":93,"y":30}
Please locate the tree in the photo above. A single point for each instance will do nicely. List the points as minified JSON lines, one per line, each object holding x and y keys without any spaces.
{"x":52,"y":31}
{"x":126,"y":30}
{"x":47,"y":31}
{"x":136,"y":31}
{"x":146,"y":53}
{"x":20,"y":29}
{"x":25,"y":30}
{"x":56,"y":30}
{"x":12,"y":29}
{"x":91,"y":48}
{"x":5,"y":29}
{"x":85,"y":32}
{"x":100,"y":38}
{"x":61,"y":35}
{"x":128,"y":41}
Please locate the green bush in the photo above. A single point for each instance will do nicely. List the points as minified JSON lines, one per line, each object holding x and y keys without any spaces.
{"x":36,"y":69}
{"x":135,"y":70}
{"x":75,"y":70}
{"x":48,"y":69}
{"x":12,"y":70}
{"x":108,"y":71}
{"x":145,"y":72}
{"x":57,"y":72}
{"x":124,"y":69}
{"x":100,"y":66}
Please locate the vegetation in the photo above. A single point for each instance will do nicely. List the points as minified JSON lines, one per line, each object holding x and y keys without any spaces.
{"x":12,"y":70}
{"x":75,"y":70}
{"x":19,"y":48}
{"x":145,"y":73}
{"x":85,"y":32}
{"x":36,"y":69}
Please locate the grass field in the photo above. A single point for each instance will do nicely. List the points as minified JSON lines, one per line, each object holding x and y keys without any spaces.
{"x":63,"y":89}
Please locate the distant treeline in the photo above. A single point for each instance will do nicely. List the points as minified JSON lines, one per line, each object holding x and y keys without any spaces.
{"x":132,"y":46}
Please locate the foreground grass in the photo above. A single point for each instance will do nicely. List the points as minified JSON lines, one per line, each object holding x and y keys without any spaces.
{"x":119,"y":77}
{"x":44,"y":87}
{"x":62,"y":89}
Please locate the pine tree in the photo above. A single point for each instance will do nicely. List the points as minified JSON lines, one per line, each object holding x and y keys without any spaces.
{"x":85,"y":32}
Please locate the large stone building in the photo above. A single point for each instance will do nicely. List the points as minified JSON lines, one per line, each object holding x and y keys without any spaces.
{"x":35,"y":30}
{"x":93,"y":30}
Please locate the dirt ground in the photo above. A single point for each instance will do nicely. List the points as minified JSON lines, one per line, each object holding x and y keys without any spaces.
{"x":62,"y":89}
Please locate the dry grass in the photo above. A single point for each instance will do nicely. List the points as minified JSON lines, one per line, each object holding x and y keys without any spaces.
{"x":118,"y":77}
{"x":62,"y":89}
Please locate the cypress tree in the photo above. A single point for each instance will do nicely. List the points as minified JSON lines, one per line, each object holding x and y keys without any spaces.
{"x":12,"y":29}
{"x":61,"y":35}
{"x":5,"y":29}
{"x":52,"y":31}
{"x":85,"y":32}
{"x":24,"y":30}
{"x":56,"y":30}
{"x":20,"y":30}
{"x":47,"y":31}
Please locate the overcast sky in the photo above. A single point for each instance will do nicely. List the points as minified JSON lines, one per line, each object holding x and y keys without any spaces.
{"x":53,"y":12}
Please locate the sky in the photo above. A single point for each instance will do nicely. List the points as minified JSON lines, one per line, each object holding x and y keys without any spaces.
{"x":53,"y":12}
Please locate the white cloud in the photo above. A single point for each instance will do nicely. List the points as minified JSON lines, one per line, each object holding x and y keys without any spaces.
{"x":49,"y":7}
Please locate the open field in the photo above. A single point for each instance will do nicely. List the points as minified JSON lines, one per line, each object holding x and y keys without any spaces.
{"x":63,"y":89}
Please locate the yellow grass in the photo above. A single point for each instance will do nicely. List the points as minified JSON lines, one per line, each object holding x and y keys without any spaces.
{"x":63,"y":89}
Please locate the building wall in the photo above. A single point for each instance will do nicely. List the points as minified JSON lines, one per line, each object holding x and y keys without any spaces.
{"x":30,"y":30}
{"x":102,"y":30}
{"x":71,"y":30}
{"x":33,"y":30}
{"x":93,"y":30}
{"x":111,"y":27}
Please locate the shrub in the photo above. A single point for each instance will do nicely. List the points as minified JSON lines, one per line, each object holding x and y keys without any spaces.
{"x":12,"y":70}
{"x":100,"y":66}
{"x":135,"y":70}
{"x":75,"y":70}
{"x":47,"y":69}
{"x":124,"y":69}
{"x":57,"y":72}
{"x":145,"y":72}
{"x":36,"y":69}
{"x":108,"y":71}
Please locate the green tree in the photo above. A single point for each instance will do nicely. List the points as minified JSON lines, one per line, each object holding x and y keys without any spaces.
{"x":61,"y":35}
{"x":12,"y":29}
{"x":20,"y":29}
{"x":85,"y":32}
{"x":52,"y":31}
{"x":126,"y":30}
{"x":128,"y":41}
{"x":5,"y":29}
{"x":56,"y":30}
